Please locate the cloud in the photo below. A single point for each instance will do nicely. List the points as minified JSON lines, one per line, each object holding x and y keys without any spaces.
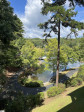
{"x":67,"y":4}
{"x":33,"y":17}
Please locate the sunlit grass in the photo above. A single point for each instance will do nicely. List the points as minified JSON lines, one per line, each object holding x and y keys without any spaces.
{"x":56,"y":103}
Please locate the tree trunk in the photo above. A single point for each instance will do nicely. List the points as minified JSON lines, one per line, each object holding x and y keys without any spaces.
{"x":58,"y":56}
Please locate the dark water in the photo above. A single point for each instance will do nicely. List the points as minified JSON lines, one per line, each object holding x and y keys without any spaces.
{"x":45,"y":76}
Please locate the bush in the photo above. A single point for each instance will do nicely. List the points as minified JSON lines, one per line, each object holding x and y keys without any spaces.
{"x":53,"y":91}
{"x":68,"y":83}
{"x":16,"y":105}
{"x":39,"y":98}
{"x":81,"y":76}
{"x":81,"y":72}
{"x":79,"y":81}
{"x":76,"y":82}
{"x":3,"y":79}
{"x":61,"y":87}
{"x":31,"y":83}
{"x":22,"y":103}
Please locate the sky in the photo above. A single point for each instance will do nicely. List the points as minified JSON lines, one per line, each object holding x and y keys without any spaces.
{"x":29,"y":13}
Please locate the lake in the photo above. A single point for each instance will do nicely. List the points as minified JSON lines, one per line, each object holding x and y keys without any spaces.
{"x":45,"y":76}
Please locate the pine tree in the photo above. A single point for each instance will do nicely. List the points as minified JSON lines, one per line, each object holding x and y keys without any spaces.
{"x":60,"y":16}
{"x":10,"y":24}
{"x":62,"y":2}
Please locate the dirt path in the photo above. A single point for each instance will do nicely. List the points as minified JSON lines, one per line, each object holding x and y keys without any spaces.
{"x":13,"y":86}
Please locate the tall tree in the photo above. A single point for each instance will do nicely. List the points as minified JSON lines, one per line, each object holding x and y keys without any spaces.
{"x":30,"y":55}
{"x":10,"y":24}
{"x":60,"y":17}
{"x":81,"y":49}
{"x":62,"y":2}
{"x":11,"y":28}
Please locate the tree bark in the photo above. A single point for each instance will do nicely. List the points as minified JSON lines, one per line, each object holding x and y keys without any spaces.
{"x":58,"y":55}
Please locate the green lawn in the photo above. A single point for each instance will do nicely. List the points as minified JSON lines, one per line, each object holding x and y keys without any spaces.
{"x":72,"y":100}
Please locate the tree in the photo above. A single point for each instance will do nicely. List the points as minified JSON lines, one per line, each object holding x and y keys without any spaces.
{"x":30,"y":55}
{"x":51,"y":52}
{"x":81,"y":49}
{"x":62,"y":2}
{"x":60,"y":16}
{"x":67,"y":54}
{"x":72,"y":55}
{"x":10,"y":24}
{"x":11,"y":28}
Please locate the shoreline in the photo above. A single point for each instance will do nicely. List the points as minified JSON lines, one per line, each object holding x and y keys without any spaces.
{"x":63,"y":73}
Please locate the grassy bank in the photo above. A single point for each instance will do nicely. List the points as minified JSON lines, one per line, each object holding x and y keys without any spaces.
{"x":72,"y":100}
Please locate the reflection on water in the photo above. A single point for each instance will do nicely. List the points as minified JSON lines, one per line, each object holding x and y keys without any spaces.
{"x":45,"y":76}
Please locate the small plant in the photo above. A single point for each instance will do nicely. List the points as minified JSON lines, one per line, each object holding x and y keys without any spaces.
{"x":53,"y":91}
{"x":30,"y":82}
{"x":39,"y":98}
{"x":76,"y":82}
{"x":61,"y":87}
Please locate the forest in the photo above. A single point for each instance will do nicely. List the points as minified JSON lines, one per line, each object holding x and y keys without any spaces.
{"x":22,"y":59}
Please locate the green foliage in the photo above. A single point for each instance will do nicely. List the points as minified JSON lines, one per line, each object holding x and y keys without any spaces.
{"x":53,"y":91}
{"x":11,"y":28}
{"x":39,"y":98}
{"x":72,"y":3}
{"x":3,"y":79}
{"x":34,"y":83}
{"x":67,"y":54}
{"x":16,"y":105}
{"x":81,"y":72}
{"x":65,"y":17}
{"x":10,"y":24}
{"x":37,"y":42}
{"x":76,"y":82}
{"x":19,"y":42}
{"x":22,"y":103}
{"x":81,"y":49}
{"x":51,"y":53}
{"x":30,"y":82}
{"x":62,"y":86}
{"x":30,"y":55}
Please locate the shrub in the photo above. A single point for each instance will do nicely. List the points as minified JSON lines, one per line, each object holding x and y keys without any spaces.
{"x":81,"y":72}
{"x":53,"y":91}
{"x":61,"y":87}
{"x":68,"y":83}
{"x":39,"y":98}
{"x":22,"y":103}
{"x":34,"y":84}
{"x":76,"y":82}
{"x":29,"y":102}
{"x":3,"y":79}
{"x":17,"y":105}
{"x":31,"y":83}
{"x":81,"y":76}
{"x":79,"y":81}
